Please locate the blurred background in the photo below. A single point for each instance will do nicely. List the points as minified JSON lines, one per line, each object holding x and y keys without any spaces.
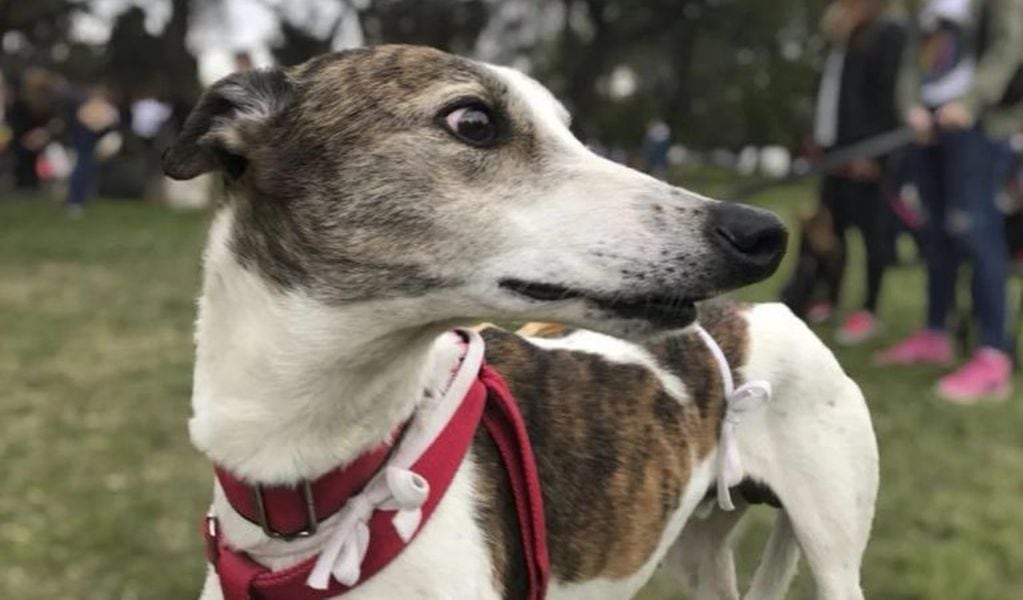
{"x":101,"y":493}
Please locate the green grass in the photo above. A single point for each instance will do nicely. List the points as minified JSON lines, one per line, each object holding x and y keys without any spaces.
{"x":100,"y":491}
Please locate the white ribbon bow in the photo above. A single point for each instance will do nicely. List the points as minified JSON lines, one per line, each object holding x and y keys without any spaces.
{"x":747,"y":398}
{"x":394,"y":488}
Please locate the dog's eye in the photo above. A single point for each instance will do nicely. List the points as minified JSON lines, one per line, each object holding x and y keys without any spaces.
{"x":472,"y":124}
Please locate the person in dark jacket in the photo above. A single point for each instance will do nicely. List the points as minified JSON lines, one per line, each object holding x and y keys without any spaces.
{"x":856,"y":100}
{"x":31,"y":117}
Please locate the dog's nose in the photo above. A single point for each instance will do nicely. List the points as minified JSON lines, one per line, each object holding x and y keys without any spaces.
{"x":753,"y":238}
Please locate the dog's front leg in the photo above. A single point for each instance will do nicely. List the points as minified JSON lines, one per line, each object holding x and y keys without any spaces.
{"x":702,"y":561}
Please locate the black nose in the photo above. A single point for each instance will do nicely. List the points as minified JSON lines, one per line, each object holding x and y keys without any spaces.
{"x":753,"y":238}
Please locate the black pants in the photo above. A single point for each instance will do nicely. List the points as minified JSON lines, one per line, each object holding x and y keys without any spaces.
{"x":25,"y":175}
{"x":861,"y":205}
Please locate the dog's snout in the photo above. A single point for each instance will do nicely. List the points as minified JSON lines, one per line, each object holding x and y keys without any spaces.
{"x":754,"y":238}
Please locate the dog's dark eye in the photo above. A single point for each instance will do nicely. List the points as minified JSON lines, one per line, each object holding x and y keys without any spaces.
{"x":472,"y":124}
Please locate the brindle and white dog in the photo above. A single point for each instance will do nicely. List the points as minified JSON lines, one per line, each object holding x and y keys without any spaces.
{"x":378,"y":197}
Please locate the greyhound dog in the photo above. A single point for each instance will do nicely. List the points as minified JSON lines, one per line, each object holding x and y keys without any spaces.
{"x":376,"y":199}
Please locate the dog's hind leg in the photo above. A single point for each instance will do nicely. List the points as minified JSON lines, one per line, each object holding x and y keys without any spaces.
{"x":814,"y":447}
{"x":701,"y":560}
{"x":778,"y":564}
{"x":827,"y":485}
{"x":833,"y":538}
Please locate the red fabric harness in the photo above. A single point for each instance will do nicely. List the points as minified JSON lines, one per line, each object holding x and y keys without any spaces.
{"x":288,"y":512}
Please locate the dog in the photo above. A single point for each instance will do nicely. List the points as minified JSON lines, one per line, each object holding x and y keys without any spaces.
{"x":819,"y":265}
{"x":377,"y":198}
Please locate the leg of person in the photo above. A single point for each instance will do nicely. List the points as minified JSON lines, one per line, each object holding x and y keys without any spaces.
{"x":975,"y":168}
{"x":80,"y":181}
{"x":834,"y":197}
{"x":25,"y":176}
{"x":879,"y":236}
{"x":932,"y":344}
{"x":865,"y":205}
{"x":821,"y":259}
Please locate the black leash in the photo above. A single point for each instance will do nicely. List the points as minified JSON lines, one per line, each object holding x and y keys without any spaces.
{"x":872,"y":147}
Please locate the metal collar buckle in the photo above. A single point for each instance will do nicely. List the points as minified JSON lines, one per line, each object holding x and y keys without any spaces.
{"x":211,"y":533}
{"x":306,"y":490}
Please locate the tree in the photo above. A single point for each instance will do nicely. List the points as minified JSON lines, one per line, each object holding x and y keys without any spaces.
{"x":42,"y":22}
{"x":40,"y":25}
{"x":180,"y":68}
{"x":446,"y":24}
{"x":721,"y":72}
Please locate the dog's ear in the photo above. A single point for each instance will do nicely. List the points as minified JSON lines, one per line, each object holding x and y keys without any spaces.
{"x":226,"y":122}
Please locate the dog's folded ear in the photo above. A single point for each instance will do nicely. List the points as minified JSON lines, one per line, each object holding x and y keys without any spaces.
{"x":228,"y":120}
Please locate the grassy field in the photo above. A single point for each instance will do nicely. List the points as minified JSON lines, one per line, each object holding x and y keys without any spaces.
{"x":100,"y":491}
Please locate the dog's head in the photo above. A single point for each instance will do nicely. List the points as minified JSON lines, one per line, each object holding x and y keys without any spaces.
{"x":398,"y":173}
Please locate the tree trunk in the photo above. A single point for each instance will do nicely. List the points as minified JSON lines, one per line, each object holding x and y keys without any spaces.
{"x":181,"y":74}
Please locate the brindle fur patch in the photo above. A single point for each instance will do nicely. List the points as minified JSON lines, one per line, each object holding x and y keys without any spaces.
{"x":614,"y":450}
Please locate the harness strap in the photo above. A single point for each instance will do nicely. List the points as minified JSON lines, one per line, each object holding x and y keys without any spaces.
{"x":505,"y":424}
{"x":739,"y":401}
{"x":380,"y":534}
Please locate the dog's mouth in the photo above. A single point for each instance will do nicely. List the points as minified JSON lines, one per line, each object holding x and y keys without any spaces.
{"x":662,"y":310}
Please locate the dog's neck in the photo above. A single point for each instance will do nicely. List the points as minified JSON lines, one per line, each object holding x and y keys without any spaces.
{"x":286,"y":388}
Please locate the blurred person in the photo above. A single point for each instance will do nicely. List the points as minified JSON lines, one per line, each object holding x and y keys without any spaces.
{"x":6,"y":136}
{"x":92,"y":117}
{"x":656,"y":143}
{"x":32,"y":120}
{"x":855,"y":101}
{"x":149,"y":116}
{"x":955,"y":90}
{"x":243,"y":61}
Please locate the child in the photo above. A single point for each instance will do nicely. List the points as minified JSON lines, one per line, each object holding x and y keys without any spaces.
{"x":953,"y":90}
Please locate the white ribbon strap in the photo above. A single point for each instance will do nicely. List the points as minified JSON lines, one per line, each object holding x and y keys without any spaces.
{"x":396,"y":487}
{"x":747,"y":398}
{"x":409,"y":491}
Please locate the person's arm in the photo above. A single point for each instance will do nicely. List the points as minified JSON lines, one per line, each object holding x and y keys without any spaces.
{"x":1004,"y":51}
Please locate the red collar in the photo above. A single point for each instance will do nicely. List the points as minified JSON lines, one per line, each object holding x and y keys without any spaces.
{"x":287,"y":512}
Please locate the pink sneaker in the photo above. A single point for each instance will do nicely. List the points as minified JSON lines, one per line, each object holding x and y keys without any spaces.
{"x":987,"y":376}
{"x":819,"y":312}
{"x":924,"y":347}
{"x":858,"y":327}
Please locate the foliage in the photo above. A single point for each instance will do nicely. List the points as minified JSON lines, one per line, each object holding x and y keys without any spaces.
{"x":42,"y":29}
{"x":134,"y":60}
{"x":720,"y":72}
{"x":139,"y":62}
{"x":42,"y":22}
